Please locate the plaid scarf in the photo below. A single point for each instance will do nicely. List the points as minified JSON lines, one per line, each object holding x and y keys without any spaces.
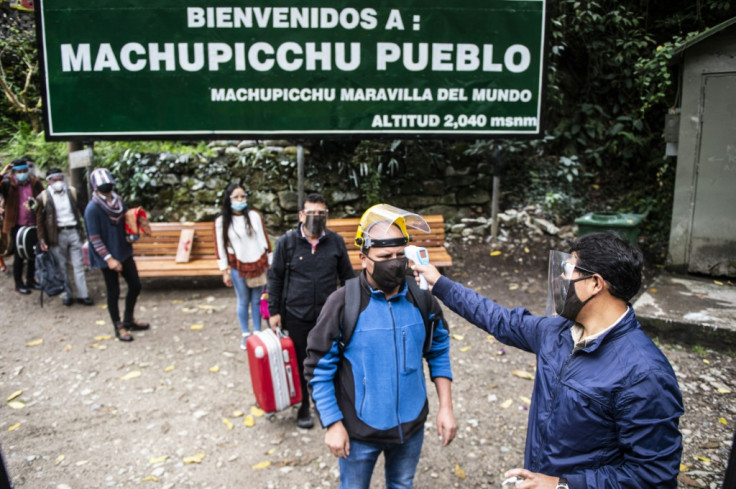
{"x":114,"y":209}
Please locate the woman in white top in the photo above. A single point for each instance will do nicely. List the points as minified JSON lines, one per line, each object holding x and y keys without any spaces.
{"x":242,"y":254}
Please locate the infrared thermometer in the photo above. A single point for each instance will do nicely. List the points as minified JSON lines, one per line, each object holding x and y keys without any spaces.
{"x":419,"y":256}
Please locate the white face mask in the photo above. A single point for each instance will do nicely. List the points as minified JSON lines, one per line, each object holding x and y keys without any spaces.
{"x":58,"y":186}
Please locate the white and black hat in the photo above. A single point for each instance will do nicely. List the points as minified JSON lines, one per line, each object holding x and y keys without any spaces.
{"x":100,"y":176}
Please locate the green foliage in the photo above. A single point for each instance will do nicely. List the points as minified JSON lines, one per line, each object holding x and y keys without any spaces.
{"x":609,"y":85}
{"x":19,"y":77}
{"x":373,"y":162}
{"x":108,"y":152}
{"x":654,"y":74}
{"x":25,"y":142}
{"x":700,"y":351}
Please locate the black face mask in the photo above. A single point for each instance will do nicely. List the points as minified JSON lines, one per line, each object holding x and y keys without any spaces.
{"x":315,"y":224}
{"x":573,"y":304}
{"x":389,"y":274}
{"x":105,"y":188}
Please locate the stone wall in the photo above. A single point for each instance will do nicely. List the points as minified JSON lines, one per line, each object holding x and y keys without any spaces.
{"x":190,"y":188}
{"x":12,"y":17}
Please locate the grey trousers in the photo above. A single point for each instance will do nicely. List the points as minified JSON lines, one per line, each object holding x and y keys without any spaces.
{"x":71,"y":245}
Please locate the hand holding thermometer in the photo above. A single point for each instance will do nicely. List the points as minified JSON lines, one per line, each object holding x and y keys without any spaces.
{"x":419,"y":256}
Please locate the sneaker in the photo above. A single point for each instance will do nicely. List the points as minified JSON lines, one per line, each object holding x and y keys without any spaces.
{"x":243,"y":342}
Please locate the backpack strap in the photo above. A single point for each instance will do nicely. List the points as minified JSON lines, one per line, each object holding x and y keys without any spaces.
{"x":39,"y":268}
{"x":350,"y":311}
{"x":424,"y":302}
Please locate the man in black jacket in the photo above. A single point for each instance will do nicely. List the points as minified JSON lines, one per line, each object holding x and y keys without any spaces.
{"x":307,"y":264}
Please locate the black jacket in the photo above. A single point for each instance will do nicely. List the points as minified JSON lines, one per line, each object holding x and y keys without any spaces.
{"x":309,"y":278}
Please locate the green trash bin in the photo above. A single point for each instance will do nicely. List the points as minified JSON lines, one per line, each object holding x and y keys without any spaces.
{"x":626,"y":225}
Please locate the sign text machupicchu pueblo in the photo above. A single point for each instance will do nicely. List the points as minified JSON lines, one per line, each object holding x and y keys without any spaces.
{"x":184,"y":69}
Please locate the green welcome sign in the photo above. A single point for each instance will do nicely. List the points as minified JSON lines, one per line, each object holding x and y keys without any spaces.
{"x":209,"y":69}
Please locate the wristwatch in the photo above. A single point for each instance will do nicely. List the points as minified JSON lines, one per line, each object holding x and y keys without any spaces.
{"x":562,"y":484}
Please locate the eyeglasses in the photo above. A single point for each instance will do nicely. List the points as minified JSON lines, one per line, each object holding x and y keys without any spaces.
{"x":568,"y":269}
{"x":312,"y":212}
{"x":239,"y":197}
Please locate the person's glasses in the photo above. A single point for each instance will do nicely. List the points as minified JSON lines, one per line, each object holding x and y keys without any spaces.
{"x":568,"y":269}
{"x":311,"y":212}
{"x":238,"y":197}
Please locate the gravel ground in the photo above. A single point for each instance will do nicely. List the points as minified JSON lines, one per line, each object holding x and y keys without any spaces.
{"x":171,"y":409}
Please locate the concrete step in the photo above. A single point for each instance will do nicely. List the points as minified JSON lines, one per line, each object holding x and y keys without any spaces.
{"x":689,"y":310}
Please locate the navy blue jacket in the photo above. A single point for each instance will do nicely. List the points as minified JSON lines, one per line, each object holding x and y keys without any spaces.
{"x":104,"y":237}
{"x":376,"y":384}
{"x":604,"y":416}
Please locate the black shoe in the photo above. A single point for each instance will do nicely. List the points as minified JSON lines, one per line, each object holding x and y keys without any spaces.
{"x":136,"y":325}
{"x":86,"y":301}
{"x":35,"y":285}
{"x":306,"y":422}
{"x":67,"y":301}
{"x":22,"y":290}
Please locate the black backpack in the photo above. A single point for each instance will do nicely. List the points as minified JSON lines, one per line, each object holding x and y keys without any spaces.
{"x":352,"y":309}
{"x":52,"y":282}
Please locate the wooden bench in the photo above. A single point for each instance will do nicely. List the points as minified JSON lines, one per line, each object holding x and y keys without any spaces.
{"x":156,"y":254}
{"x":434,"y":241}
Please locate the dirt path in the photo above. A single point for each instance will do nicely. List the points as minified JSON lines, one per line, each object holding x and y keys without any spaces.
{"x":168,"y":409}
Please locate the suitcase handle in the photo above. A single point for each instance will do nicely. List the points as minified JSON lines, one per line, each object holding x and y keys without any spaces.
{"x":279,"y":332}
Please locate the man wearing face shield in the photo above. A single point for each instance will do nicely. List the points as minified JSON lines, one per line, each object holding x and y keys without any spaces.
{"x":60,"y":230}
{"x":606,"y":402}
{"x":20,"y":188}
{"x":370,"y":391}
{"x":308,"y":263}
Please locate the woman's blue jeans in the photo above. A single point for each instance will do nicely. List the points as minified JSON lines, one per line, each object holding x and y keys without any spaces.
{"x":247,"y":296}
{"x":401,"y":462}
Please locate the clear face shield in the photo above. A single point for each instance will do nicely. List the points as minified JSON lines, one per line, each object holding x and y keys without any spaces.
{"x":559,"y":274}
{"x":372,"y":235}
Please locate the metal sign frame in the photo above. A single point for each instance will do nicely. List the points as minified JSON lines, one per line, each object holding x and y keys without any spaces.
{"x":211,"y":70}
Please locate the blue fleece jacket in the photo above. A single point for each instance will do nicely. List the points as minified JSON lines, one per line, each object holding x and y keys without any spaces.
{"x":376,"y":384}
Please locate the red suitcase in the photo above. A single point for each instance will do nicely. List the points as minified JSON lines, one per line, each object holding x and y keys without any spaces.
{"x":273,"y":370}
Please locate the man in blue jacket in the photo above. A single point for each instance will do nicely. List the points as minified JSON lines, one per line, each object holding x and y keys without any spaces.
{"x":369,"y":390}
{"x":606,"y":404}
